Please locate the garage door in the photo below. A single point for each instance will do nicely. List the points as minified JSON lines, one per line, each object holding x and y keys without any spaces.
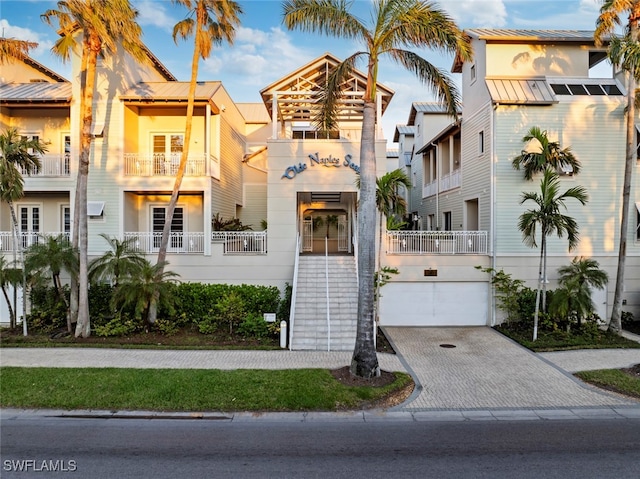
{"x":434,"y":304}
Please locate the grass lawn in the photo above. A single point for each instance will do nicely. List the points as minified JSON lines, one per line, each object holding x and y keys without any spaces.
{"x":625,"y":381}
{"x":189,"y":390}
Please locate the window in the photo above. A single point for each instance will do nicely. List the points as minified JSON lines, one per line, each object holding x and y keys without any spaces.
{"x":66,"y":141}
{"x":167,"y":149}
{"x":177,"y":226}
{"x":29,"y":137}
{"x":481,"y":142}
{"x":637,"y":220}
{"x":446,"y":219}
{"x":472,"y":72}
{"x":29,"y":218}
{"x":65,"y":219}
{"x":600,"y":88}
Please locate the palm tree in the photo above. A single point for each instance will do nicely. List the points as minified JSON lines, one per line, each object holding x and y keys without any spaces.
{"x":395,"y":26}
{"x":148,"y":283}
{"x":214,"y":23}
{"x":17,"y":154}
{"x":52,"y":255}
{"x":624,"y":54}
{"x":104,"y":24}
{"x":548,"y":217}
{"x":13,"y":49}
{"x":9,"y":277}
{"x":576,"y":281}
{"x":121,"y":261}
{"x":545,"y":154}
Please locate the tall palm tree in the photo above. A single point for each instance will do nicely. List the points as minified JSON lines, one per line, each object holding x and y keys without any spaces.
{"x":544,"y":154}
{"x":395,"y":26}
{"x":576,"y":281}
{"x":625,"y":55}
{"x":17,"y":154}
{"x":104,"y":25}
{"x":51,"y":255}
{"x":549,"y":219}
{"x":121,"y":261}
{"x":13,"y":49}
{"x":211,"y":22}
{"x":149,"y":283}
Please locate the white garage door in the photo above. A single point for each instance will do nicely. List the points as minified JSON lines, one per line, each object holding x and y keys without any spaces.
{"x":434,"y":304}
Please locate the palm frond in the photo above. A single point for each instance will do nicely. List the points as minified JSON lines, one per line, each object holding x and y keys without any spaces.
{"x":328,"y":17}
{"x":328,"y":98}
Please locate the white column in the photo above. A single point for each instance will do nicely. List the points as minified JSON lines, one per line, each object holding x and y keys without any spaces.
{"x":274,"y":116}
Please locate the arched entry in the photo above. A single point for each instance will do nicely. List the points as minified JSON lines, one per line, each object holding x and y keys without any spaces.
{"x":326,"y":222}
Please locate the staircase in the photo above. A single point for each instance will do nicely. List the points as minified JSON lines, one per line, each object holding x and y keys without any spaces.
{"x":310,"y":320}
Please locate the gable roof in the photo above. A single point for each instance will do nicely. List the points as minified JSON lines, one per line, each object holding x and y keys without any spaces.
{"x":297,"y":92}
{"x":428,"y":108}
{"x":407,"y":130}
{"x":35,"y":92}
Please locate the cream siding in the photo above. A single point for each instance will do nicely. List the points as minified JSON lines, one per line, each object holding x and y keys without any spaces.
{"x":227,"y":192}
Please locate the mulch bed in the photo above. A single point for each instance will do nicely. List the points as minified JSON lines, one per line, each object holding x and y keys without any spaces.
{"x":395,"y":398}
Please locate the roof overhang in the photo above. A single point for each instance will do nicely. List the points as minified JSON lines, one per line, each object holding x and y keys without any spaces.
{"x":448,"y":131}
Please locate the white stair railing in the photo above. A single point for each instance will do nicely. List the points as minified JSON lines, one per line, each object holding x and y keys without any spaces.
{"x":294,"y":289}
{"x":326,"y":277}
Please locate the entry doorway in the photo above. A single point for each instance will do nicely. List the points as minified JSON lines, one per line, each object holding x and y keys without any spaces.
{"x":326,"y":222}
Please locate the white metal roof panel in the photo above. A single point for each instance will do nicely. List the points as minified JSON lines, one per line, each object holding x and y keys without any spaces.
{"x":523,"y":91}
{"x":35,"y":92}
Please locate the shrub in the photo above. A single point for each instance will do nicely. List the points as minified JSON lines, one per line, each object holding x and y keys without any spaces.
{"x":231,"y":310}
{"x":167,"y":326}
{"x":121,"y":325}
{"x":254,"y":326}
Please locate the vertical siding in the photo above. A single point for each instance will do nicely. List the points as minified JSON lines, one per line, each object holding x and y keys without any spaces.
{"x":227,"y":191}
{"x":254,"y":209}
{"x":593,"y":128}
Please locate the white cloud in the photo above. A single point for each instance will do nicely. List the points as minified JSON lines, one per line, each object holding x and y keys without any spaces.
{"x":477,"y":13}
{"x":12,"y":31}
{"x":256,"y":59}
{"x":154,"y":13}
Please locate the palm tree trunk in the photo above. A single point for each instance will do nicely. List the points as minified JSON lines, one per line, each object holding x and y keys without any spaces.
{"x":17,"y":244}
{"x":83,"y":327}
{"x":12,"y":314}
{"x":364,"y":362}
{"x":615,"y":325}
{"x":166,"y":230}
{"x":540,"y":280}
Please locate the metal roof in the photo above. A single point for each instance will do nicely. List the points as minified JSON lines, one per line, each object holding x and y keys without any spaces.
{"x":518,"y":36}
{"x":254,"y":112}
{"x":169,"y":91}
{"x":35,"y":92}
{"x":524,"y":91}
{"x":426,"y":107}
{"x":403,"y":130}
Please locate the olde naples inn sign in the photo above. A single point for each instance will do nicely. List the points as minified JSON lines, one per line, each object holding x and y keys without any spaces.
{"x":327,"y":162}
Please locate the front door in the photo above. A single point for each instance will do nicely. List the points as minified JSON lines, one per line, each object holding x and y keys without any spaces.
{"x":158,"y":214}
{"x":29,"y":219}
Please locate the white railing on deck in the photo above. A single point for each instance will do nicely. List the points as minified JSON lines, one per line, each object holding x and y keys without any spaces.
{"x":147,"y":242}
{"x":26,"y":238}
{"x":294,"y":290}
{"x":161,"y":164}
{"x":241,"y":242}
{"x":51,"y":166}
{"x":436,"y":242}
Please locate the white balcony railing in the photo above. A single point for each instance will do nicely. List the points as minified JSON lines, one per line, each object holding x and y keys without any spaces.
{"x":160,"y":164}
{"x":436,"y":242}
{"x":51,"y":166}
{"x":447,"y":182}
{"x":241,"y":242}
{"x":26,"y":238}
{"x":147,"y":242}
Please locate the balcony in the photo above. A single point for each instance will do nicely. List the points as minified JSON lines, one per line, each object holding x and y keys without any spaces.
{"x":160,"y":164}
{"x":26,"y":239}
{"x":241,"y":242}
{"x":179,"y":243}
{"x":51,"y":166}
{"x":447,"y":182}
{"x":436,"y":242}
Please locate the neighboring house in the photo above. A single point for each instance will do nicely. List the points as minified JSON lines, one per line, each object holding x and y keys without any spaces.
{"x":519,"y":79}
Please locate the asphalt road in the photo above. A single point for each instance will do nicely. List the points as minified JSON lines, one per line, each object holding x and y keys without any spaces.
{"x":332,"y":448}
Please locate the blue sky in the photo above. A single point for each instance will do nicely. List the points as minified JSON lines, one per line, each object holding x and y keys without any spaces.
{"x":264,"y":50}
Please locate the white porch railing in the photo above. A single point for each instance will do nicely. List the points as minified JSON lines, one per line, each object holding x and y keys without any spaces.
{"x":241,"y":242}
{"x":447,"y":182}
{"x":160,"y":164}
{"x":26,"y":238}
{"x":51,"y":166}
{"x":436,"y":242}
{"x":148,"y":242}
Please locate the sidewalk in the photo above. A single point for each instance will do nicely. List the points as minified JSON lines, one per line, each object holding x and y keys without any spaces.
{"x":484,"y":375}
